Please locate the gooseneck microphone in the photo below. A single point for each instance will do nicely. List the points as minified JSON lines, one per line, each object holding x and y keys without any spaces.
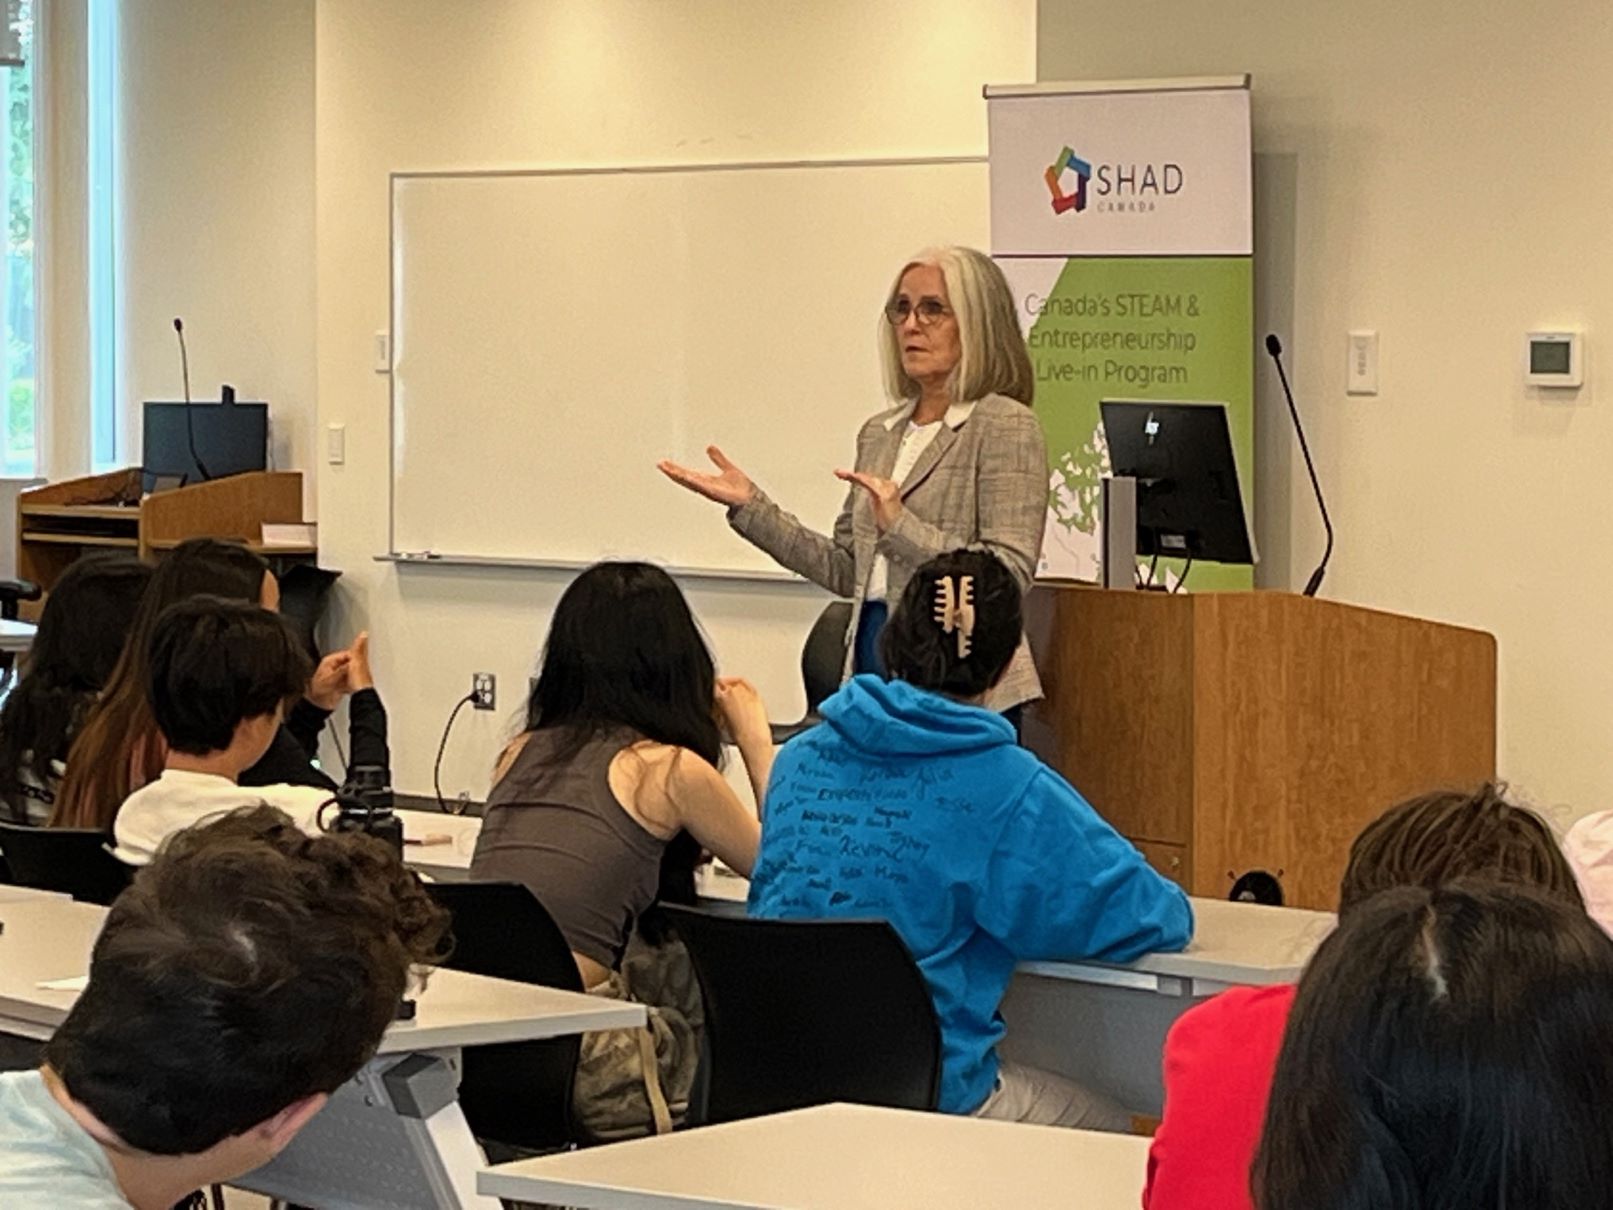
{"x":1275,"y":348}
{"x":190,"y":424}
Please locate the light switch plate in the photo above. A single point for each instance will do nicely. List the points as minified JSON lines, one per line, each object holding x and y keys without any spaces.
{"x":383,"y":352}
{"x":1361,"y":375}
{"x":336,"y":444}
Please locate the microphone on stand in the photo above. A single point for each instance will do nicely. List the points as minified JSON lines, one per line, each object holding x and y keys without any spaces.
{"x":190,"y":424}
{"x":1275,"y":348}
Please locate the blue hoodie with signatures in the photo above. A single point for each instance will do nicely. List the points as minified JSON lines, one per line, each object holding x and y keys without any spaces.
{"x":910,"y":807}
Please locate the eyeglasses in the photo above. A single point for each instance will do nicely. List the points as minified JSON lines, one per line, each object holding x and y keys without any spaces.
{"x":930,"y":311}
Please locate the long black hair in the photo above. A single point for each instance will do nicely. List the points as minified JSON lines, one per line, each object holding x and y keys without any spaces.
{"x":1448,"y":1047}
{"x":919,"y":649}
{"x":81,"y":634}
{"x":624,"y":654}
{"x":119,"y":734}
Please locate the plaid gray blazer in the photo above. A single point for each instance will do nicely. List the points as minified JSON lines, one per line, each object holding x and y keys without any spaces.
{"x":981,"y":482}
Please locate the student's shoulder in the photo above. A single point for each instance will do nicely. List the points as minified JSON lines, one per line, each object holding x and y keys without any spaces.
{"x":1240,"y":1015}
{"x":668,"y":768}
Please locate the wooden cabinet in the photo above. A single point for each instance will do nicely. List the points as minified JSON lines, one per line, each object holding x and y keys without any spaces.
{"x":1169,"y":859}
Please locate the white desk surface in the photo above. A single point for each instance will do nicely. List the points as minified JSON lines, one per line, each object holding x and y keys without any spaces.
{"x":16,"y":636}
{"x":840,"y":1157}
{"x":1234,"y":945}
{"x":47,"y":940}
{"x":446,"y":860}
{"x":23,"y":894}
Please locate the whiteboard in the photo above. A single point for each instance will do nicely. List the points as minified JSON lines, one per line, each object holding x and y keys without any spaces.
{"x":555,"y":333}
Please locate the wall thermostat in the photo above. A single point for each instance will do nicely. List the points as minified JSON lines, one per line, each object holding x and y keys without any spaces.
{"x":1554,"y":359}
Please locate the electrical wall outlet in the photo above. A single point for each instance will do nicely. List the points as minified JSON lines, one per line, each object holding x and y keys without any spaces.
{"x":484,"y":690}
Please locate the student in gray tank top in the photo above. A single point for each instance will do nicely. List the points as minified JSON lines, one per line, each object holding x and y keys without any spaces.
{"x":604,"y":802}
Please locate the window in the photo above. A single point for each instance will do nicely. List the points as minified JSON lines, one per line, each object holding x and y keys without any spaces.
{"x":105,"y":420}
{"x":19,"y":455}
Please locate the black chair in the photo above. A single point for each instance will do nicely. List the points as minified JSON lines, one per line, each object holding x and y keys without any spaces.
{"x":70,"y":861}
{"x":823,"y":657}
{"x":515,"y":1094}
{"x":12,"y":594}
{"x":803,"y":1012}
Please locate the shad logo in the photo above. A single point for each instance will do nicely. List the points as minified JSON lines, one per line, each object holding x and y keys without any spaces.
{"x":1076,"y":198}
{"x":1117,"y":187}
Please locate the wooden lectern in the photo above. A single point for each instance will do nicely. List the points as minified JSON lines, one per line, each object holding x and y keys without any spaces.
{"x":1229,"y":732}
{"x":58,"y":522}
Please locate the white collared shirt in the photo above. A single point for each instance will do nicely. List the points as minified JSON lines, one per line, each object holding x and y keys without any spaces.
{"x":915,"y":441}
{"x":181,"y":798}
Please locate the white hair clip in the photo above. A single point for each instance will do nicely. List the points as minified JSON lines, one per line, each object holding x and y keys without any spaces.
{"x":955,"y":609}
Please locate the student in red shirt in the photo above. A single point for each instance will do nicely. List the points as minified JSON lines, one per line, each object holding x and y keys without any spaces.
{"x":1220,"y":1056}
{"x":1449,"y":1048}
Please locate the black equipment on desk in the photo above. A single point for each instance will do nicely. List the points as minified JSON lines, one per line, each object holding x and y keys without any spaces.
{"x":364,"y":804}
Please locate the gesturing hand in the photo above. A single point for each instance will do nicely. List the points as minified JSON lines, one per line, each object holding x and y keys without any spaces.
{"x":742,"y":710}
{"x":886,"y":495}
{"x":359,"y":675}
{"x":329,"y":682}
{"x":341,"y":673}
{"x":730,"y":486}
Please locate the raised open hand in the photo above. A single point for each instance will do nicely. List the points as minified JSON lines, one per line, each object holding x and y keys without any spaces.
{"x":730,"y":486}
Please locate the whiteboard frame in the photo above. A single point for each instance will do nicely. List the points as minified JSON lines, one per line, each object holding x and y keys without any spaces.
{"x":445,"y":559}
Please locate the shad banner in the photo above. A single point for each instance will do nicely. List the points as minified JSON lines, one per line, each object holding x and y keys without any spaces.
{"x":1122,"y":215}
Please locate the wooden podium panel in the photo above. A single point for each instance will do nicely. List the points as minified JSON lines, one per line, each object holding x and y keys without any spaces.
{"x":60,"y":521}
{"x":1225,"y":732}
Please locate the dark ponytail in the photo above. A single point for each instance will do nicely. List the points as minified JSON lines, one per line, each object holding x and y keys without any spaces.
{"x":917,"y":647}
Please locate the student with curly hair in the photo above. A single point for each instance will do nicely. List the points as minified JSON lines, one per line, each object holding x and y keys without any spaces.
{"x":247,"y":974}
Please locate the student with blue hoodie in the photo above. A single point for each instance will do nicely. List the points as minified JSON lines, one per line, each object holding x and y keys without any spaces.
{"x":914,"y":804}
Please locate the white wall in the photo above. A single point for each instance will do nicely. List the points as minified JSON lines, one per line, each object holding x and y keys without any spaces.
{"x":216,"y":141}
{"x":415,"y":84}
{"x":1438,"y":174}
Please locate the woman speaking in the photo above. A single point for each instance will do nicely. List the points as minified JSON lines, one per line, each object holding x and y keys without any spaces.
{"x":960,"y":461}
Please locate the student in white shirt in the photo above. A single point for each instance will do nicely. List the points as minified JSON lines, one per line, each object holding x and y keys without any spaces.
{"x":219,"y":675}
{"x":190,"y":1059}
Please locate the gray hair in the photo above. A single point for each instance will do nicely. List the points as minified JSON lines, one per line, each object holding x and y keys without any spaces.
{"x":994,"y":360}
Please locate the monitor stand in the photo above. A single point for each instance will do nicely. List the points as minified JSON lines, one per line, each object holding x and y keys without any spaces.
{"x":1117,"y":529}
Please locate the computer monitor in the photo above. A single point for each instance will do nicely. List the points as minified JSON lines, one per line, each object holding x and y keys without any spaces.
{"x":231,"y":439}
{"x":1180,"y":454}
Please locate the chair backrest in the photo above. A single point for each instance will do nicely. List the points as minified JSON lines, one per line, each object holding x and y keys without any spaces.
{"x":70,"y":861}
{"x":516,"y":1093}
{"x":803,"y":1012}
{"x":823,"y":655}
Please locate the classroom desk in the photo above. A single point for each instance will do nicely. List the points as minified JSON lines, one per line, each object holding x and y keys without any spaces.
{"x":840,"y":1157}
{"x":367,"y":1147}
{"x":16,"y":636}
{"x":1100,"y":1024}
{"x":447,"y":860}
{"x":1104,"y":1024}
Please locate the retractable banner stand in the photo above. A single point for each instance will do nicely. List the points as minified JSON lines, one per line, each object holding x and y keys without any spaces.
{"x":1122,"y":216}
